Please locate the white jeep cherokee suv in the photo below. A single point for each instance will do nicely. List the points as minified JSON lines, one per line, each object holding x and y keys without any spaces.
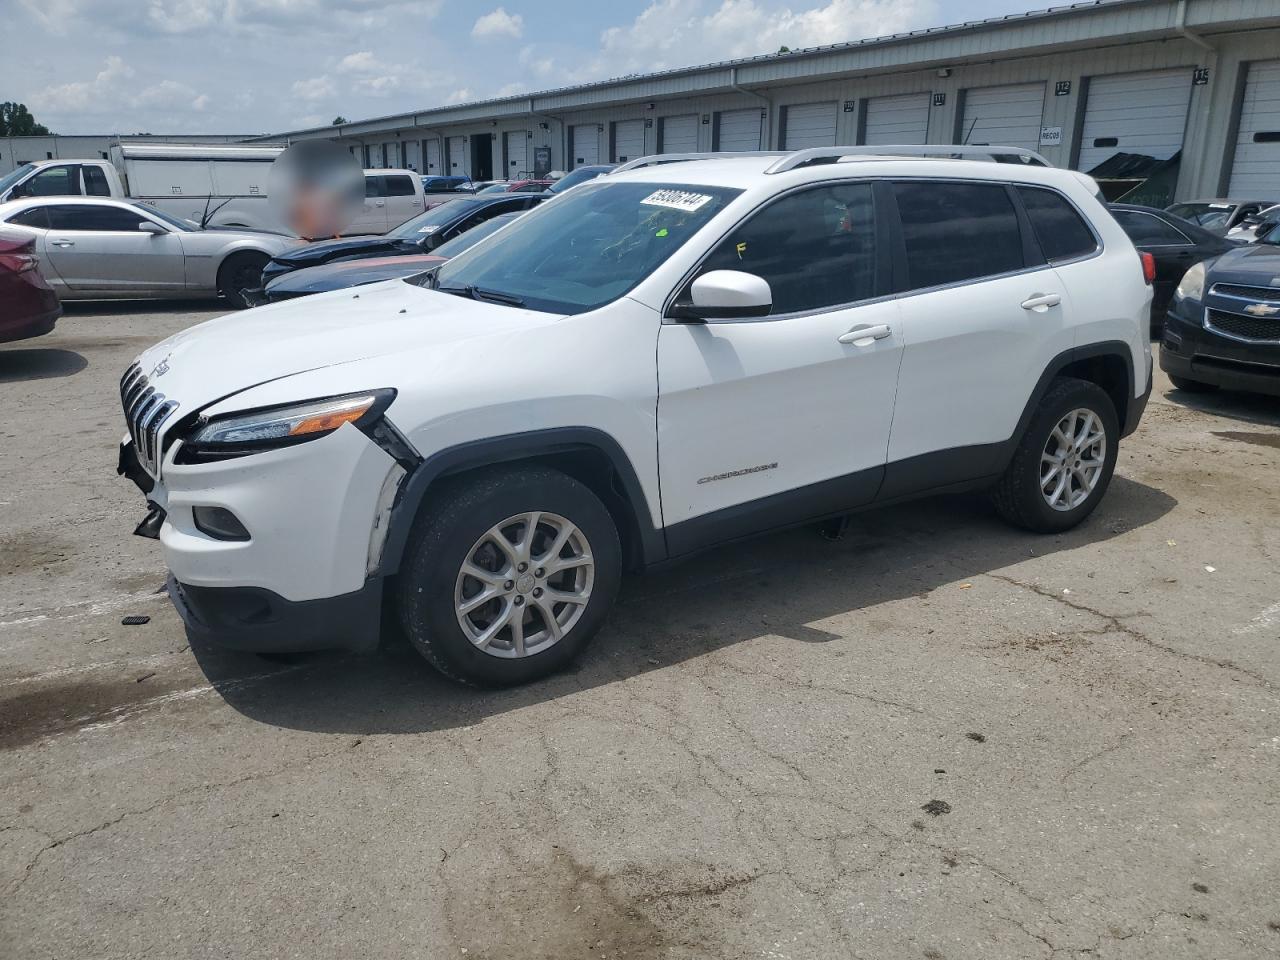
{"x":670,"y":357}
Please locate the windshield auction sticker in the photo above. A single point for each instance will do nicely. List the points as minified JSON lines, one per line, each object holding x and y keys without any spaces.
{"x":676,"y":199}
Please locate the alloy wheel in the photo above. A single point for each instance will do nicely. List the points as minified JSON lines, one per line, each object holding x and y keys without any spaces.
{"x":1073,"y":459}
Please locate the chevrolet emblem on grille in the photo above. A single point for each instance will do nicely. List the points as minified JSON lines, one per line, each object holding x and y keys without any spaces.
{"x":1262,"y":309}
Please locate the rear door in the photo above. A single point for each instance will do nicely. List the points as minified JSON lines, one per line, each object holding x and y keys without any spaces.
{"x":981,"y":314}
{"x":100,"y":249}
{"x":402,"y":200}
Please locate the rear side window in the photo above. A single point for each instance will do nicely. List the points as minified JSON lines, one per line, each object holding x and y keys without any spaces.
{"x":1061,"y":231}
{"x":373,"y":187}
{"x":400,"y":186}
{"x":103,"y":219}
{"x":816,"y":248}
{"x":957,"y":231}
{"x":1147,"y":230}
{"x":95,"y":182}
{"x":37,"y":217}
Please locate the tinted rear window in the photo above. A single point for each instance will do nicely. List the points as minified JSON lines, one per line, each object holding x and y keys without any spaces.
{"x":1061,"y":231}
{"x":957,"y":231}
{"x":399,"y":187}
{"x":1145,"y":229}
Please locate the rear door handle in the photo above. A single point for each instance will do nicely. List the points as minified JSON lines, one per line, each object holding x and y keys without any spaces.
{"x":864,"y":334}
{"x":1042,"y":300}
{"x":63,"y":243}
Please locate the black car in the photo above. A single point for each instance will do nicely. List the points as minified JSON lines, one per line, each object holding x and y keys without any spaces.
{"x":1223,"y":327}
{"x":420,"y":235}
{"x":1176,"y":244}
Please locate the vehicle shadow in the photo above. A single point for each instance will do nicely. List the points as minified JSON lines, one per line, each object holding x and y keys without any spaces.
{"x":117,"y":308}
{"x":776,"y":585}
{"x":39,"y":363}
{"x":1250,"y":407}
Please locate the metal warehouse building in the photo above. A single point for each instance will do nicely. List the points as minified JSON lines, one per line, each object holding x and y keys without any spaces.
{"x":1158,"y":98}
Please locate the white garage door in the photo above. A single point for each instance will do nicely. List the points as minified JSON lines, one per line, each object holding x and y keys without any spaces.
{"x":586,"y":144}
{"x":738,"y":130}
{"x":1255,"y":171}
{"x":1142,"y":113}
{"x":517,"y":153}
{"x":628,"y":140}
{"x":431,"y":149}
{"x":1003,"y":116}
{"x":809,"y":125}
{"x":903,"y":119}
{"x":679,"y":134}
{"x":459,"y":157}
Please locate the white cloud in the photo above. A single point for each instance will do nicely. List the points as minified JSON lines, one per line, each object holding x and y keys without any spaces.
{"x":85,"y":94}
{"x":535,"y":65}
{"x":316,"y":88}
{"x":362,"y":61}
{"x":461,"y":95}
{"x":499,"y":23}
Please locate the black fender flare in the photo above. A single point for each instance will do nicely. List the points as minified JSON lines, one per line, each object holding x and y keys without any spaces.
{"x":1088,"y":351}
{"x":504,"y":449}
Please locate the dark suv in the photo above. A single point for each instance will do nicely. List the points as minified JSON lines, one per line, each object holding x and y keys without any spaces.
{"x":1223,"y":326}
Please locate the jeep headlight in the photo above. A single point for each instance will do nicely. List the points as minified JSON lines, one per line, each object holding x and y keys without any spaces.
{"x":270,"y":428}
{"x":1191,"y":286}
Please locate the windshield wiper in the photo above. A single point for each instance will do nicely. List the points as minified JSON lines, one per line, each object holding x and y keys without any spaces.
{"x":479,"y":293}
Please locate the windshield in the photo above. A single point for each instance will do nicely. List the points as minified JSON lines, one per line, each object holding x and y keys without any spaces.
{"x":473,"y":236}
{"x":1207,"y":215}
{"x":434,"y":219}
{"x":9,"y":179}
{"x":174,"y":222}
{"x":581,"y":175}
{"x":586,"y":250}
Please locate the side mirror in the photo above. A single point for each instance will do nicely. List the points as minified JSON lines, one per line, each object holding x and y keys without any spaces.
{"x":151,"y":227}
{"x":725,"y":295}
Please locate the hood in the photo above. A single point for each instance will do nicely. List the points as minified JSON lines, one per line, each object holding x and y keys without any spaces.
{"x":222,"y":357}
{"x":350,"y":273}
{"x":323,"y":251}
{"x":1257,"y":264}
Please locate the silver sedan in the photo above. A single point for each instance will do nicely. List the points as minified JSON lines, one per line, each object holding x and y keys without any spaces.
{"x":92,"y":249}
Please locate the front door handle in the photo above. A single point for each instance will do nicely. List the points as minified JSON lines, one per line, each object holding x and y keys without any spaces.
{"x":864,"y":334}
{"x":1042,"y":300}
{"x":62,"y":243}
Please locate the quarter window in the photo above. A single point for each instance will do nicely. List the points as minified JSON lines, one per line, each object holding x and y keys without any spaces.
{"x":957,"y":231}
{"x":92,"y":218}
{"x":816,"y":248}
{"x":37,"y":217}
{"x":1145,"y":230}
{"x":1062,"y":234}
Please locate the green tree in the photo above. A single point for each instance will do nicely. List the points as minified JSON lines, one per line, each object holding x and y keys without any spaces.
{"x":339,"y":120}
{"x":16,"y":121}
{"x":784,"y":49}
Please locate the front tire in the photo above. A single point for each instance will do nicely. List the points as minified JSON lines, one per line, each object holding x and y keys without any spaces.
{"x":240,"y":272}
{"x":1063,"y":464}
{"x":508,"y":576}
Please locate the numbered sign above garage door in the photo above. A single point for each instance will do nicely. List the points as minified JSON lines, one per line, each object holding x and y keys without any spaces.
{"x":809,"y":125}
{"x":738,"y":130}
{"x":1138,"y":113}
{"x":628,"y":140}
{"x":678,"y":134}
{"x":584,"y":144}
{"x":902,"y":119}
{"x":516,"y":150}
{"x":1003,"y":116}
{"x":1255,"y":168}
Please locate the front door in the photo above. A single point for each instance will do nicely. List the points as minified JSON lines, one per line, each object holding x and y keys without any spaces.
{"x":770,"y":421}
{"x":372,"y":217}
{"x":99,"y":248}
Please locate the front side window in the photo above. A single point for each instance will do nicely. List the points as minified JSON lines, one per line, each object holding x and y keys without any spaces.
{"x":588,"y":248}
{"x":1060,"y":230}
{"x":816,"y":248}
{"x":96,"y":219}
{"x":53,"y":182}
{"x":957,"y":231}
{"x":1148,"y":231}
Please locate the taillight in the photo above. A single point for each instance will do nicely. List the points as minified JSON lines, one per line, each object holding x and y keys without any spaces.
{"x":19,"y":262}
{"x":1148,"y":267}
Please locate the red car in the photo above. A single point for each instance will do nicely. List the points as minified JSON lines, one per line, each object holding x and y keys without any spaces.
{"x":28,"y":305}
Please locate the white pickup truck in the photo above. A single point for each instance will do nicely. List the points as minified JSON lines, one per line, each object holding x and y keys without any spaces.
{"x":223,"y":186}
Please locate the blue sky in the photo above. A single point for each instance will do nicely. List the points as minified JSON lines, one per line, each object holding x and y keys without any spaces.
{"x":230,"y":66}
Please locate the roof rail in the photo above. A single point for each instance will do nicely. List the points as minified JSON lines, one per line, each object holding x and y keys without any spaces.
{"x":801,"y":158}
{"x":656,"y":159}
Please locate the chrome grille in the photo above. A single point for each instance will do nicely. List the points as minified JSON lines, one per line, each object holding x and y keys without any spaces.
{"x":145,"y":411}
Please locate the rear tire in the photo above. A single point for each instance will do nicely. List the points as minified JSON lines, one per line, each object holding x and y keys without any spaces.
{"x":525,"y":538}
{"x":1063,"y":464}
{"x":239,"y":272}
{"x":1192,"y":386}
